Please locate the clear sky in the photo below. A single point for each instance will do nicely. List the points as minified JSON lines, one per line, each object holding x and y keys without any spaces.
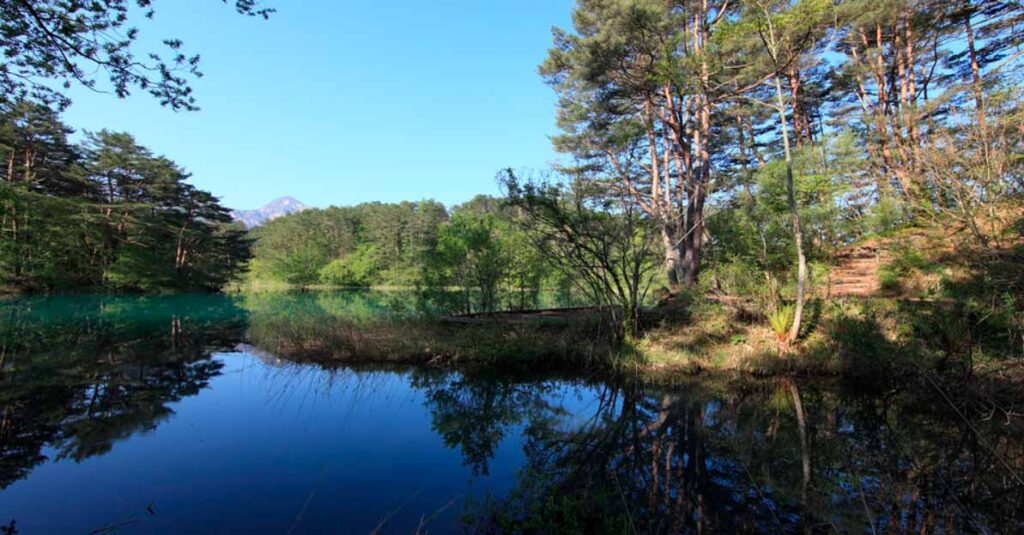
{"x":344,"y":101}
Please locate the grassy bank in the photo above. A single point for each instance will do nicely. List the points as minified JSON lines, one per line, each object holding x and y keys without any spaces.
{"x":940,"y":303}
{"x":861,"y":339}
{"x":850,"y":337}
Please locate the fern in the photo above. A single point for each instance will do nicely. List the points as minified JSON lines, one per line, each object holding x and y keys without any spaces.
{"x":781,"y":320}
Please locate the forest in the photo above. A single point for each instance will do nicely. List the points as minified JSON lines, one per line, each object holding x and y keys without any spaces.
{"x":762,"y":139}
{"x":106,"y":213}
{"x":778,"y":153}
{"x":478,"y":247}
{"x":772,"y":280}
{"x":788,"y":154}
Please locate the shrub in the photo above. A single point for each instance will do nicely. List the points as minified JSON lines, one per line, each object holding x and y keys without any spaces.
{"x":889,"y":279}
{"x":781,"y":320}
{"x":887,"y":215}
{"x":357,"y":268}
{"x":907,"y":262}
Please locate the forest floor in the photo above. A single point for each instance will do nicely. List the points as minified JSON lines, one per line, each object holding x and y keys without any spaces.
{"x":856,"y":271}
{"x":929,"y":295}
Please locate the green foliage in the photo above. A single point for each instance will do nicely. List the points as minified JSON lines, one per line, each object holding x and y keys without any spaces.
{"x":295,"y":248}
{"x":908,"y":260}
{"x":390,"y":242}
{"x":886,"y":215}
{"x":594,"y":235}
{"x":49,"y":44}
{"x":905,"y":263}
{"x":781,"y":320}
{"x":988,"y":306}
{"x":46,"y":251}
{"x":480,"y":251}
{"x":358,"y":268}
{"x":753,"y":251}
{"x":105,"y":214}
{"x":888,"y":279}
{"x":484,"y":253}
{"x":472,"y":256}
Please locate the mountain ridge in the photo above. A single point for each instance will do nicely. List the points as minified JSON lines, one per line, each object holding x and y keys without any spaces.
{"x":278,"y":207}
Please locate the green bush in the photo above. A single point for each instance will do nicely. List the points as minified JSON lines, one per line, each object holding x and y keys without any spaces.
{"x":887,"y":215}
{"x":889,"y":278}
{"x":904,"y":263}
{"x":781,"y":320}
{"x":357,"y":268}
{"x":909,"y":260}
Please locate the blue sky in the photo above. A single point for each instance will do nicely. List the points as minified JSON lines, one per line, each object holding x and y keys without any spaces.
{"x":340,"y":102}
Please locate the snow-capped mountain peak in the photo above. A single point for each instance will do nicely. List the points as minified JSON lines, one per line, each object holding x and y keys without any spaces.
{"x":272,"y":210}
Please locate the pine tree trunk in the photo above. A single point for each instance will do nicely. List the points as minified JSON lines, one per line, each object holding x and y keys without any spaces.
{"x":669,"y":239}
{"x":979,"y":99}
{"x":691,"y":245}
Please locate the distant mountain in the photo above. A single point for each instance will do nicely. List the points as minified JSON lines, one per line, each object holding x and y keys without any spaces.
{"x":272,"y":210}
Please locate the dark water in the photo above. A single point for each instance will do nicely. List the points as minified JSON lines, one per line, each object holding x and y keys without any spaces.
{"x":143,"y":415}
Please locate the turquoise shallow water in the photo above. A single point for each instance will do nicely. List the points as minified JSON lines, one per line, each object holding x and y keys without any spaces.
{"x":161,"y":415}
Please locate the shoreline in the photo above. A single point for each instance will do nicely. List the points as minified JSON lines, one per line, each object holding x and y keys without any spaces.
{"x":856,"y":340}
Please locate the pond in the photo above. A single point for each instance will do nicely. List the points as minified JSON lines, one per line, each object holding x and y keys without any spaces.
{"x":165,"y":415}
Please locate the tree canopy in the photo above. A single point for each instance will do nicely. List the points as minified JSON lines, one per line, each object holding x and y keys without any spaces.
{"x":48,"y":43}
{"x":105,"y":213}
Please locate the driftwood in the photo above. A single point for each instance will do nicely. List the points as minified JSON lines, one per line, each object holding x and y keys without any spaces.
{"x":524,"y":316}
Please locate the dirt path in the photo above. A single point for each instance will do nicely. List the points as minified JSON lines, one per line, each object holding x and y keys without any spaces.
{"x":856,"y":272}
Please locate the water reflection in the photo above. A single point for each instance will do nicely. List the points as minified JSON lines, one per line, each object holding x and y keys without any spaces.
{"x":79,"y":373}
{"x":767,"y":457}
{"x":82,"y":377}
{"x":476,"y":414}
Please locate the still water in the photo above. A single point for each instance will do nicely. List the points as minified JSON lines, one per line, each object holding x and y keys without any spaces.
{"x":164,"y":415}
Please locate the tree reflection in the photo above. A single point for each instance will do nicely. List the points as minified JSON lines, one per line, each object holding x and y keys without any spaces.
{"x":474,"y":415}
{"x":80,"y":373}
{"x":759,"y":457}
